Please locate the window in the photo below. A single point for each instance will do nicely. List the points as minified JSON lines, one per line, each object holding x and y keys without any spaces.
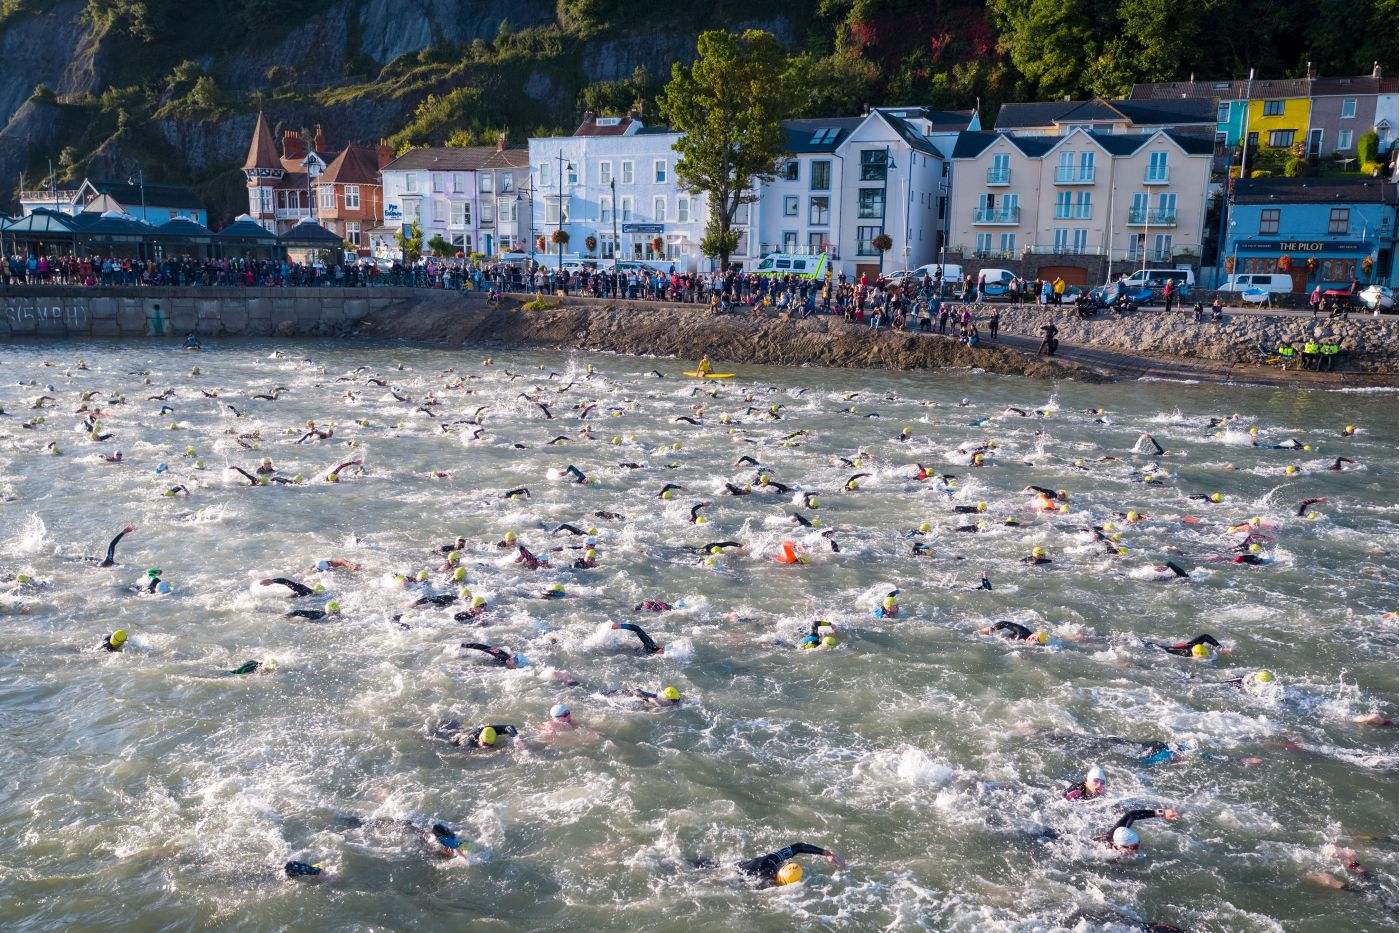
{"x":1253,"y":139}
{"x":1162,"y":246}
{"x":605,"y":173}
{"x":1337,"y":270}
{"x":682,"y":210}
{"x":1339,"y":221}
{"x":438,"y":211}
{"x":1268,"y":220}
{"x":942,"y":206}
{"x":1062,"y":199}
{"x":1081,"y":240}
{"x":461,"y":214}
{"x":658,"y":210}
{"x":816,"y":242}
{"x":488,"y":211}
{"x":573,"y":173}
{"x":1273,"y":108}
{"x":627,"y":173}
{"x":1222,"y":113}
{"x":871,"y":203}
{"x":626,"y":204}
{"x":1157,"y":166}
{"x":486,"y":181}
{"x":789,"y":241}
{"x":659,"y":170}
{"x":1086,"y":166}
{"x":607,"y":246}
{"x":352,"y":234}
{"x":1166,"y":207}
{"x":1281,"y":139}
{"x":325,"y":197}
{"x":410,"y":183}
{"x":1008,"y":243}
{"x":789,"y":170}
{"x":1348,"y":108}
{"x":505,"y":210}
{"x":1066,"y":165}
{"x":821,"y":176}
{"x":605,"y":205}
{"x":507,"y":183}
{"x":865,"y":237}
{"x":437,"y":182}
{"x":1000,"y":172}
{"x":790,"y":206}
{"x":410,"y":212}
{"x":544,"y":173}
{"x":819,"y":212}
{"x":984,"y":244}
{"x":551,"y":210}
{"x":1137,"y":214}
{"x":872,"y":164}
{"x":1061,"y":240}
{"x":1344,"y":140}
{"x":1136,"y":245}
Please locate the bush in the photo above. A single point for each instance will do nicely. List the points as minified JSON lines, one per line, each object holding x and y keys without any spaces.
{"x":1261,"y":173}
{"x":1299,"y":168}
{"x":1367,"y":146}
{"x":537,"y":304}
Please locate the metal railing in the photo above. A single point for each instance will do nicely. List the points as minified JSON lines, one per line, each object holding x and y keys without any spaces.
{"x":1003,"y":215}
{"x":1074,"y":176}
{"x":998,"y":176}
{"x":1153,"y":218}
{"x":1156,"y":176}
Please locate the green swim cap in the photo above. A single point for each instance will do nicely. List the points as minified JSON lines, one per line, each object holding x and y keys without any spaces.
{"x":487,"y":736}
{"x":332,"y":606}
{"x":117,"y":638}
{"x":590,"y":554}
{"x":422,"y":576}
{"x":459,"y":574}
{"x":829,"y":641}
{"x":318,"y":589}
{"x":478,"y":602}
{"x":22,"y":578}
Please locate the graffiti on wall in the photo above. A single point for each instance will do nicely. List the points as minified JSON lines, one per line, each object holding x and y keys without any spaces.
{"x":24,"y":313}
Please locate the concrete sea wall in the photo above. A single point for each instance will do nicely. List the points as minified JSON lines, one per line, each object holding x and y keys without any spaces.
{"x":71,"y":311}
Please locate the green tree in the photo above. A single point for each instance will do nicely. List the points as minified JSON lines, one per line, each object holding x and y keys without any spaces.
{"x":1366,"y":146}
{"x":412,"y":245}
{"x":440,"y":247}
{"x":729,"y":105}
{"x":834,"y":85}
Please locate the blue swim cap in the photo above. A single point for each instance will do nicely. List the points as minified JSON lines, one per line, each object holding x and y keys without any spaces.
{"x":161,"y":468}
{"x":162,"y":587}
{"x":301,"y":869}
{"x":323,"y":565}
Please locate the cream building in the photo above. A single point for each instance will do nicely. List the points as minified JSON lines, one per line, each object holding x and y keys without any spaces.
{"x":1125,"y":197}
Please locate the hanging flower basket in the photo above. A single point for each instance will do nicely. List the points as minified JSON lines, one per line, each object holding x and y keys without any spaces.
{"x":1285,"y":264}
{"x":560,"y":237}
{"x":1312,"y":264}
{"x":539,"y":243}
{"x":882,"y":242}
{"x":1366,"y":265}
{"x":591,"y":243}
{"x":1229,"y":265}
{"x":656,"y":244}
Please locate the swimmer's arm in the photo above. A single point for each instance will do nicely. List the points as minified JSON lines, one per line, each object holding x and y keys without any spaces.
{"x":300,"y":589}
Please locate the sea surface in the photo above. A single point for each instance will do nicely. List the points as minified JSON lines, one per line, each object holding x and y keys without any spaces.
{"x":146,"y":790}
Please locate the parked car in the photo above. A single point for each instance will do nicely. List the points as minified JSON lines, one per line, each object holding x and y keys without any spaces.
{"x":1137,"y":294}
{"x":1378,"y":296}
{"x":997,"y":284}
{"x":1275,"y":283}
{"x":1152,"y":280}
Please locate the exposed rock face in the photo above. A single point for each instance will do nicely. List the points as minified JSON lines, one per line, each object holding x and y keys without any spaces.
{"x":394,"y":27}
{"x":1369,"y":343}
{"x":689,"y":333}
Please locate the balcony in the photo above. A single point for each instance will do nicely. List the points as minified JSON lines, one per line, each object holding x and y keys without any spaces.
{"x":293,"y":213}
{"x":1065,"y":249}
{"x":998,"y":177}
{"x":1140,"y":217}
{"x":1074,"y":176}
{"x":1157,"y":176}
{"x":1006,"y":216}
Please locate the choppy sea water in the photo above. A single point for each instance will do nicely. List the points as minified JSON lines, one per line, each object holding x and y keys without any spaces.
{"x":147,"y":790}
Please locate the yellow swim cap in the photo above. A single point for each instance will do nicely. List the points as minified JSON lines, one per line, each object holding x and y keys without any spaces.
{"x":1264,"y":677}
{"x":422,"y":576}
{"x":829,"y":641}
{"x":924,"y":527}
{"x":666,"y":494}
{"x":1216,"y":497}
{"x":1133,"y":516}
{"x":670,"y":693}
{"x":459,"y":574}
{"x":332,"y":606}
{"x":1041,"y":638}
{"x":318,"y":589}
{"x":1037,"y":551}
{"x":853,"y":485}
{"x":890,"y":602}
{"x":510,"y":536}
{"x":117,"y":638}
{"x":590,"y":554}
{"x":814,"y":502}
{"x":487,"y":736}
{"x":1290,"y":469}
{"x":791,"y":873}
{"x":700,"y":519}
{"x":1200,"y":651}
{"x":478,"y":602}
{"x":981,"y":506}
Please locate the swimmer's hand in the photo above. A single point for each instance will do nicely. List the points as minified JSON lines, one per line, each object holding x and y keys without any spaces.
{"x":1170,"y":814}
{"x":837,"y":860}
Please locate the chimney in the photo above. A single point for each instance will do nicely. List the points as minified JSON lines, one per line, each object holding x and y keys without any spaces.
{"x":385,"y":152}
{"x":293,"y":146}
{"x":501,"y":142}
{"x":1312,"y":73}
{"x":318,"y":140}
{"x":589,"y":116}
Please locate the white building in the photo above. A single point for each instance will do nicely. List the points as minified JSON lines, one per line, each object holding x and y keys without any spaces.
{"x":850,"y":179}
{"x":475,"y":198}
{"x":612,"y":187}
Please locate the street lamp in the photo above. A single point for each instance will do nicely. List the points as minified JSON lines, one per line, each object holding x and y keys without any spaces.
{"x":559,"y":227}
{"x":528,"y":190}
{"x":885,"y":201}
{"x":616,"y":244}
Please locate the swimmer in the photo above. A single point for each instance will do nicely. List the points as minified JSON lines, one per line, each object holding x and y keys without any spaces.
{"x":330,"y":614}
{"x":531,"y":561}
{"x":1095,"y":784}
{"x":816,"y":638}
{"x":1303,"y":506}
{"x":653,"y":605}
{"x":1291,"y":444}
{"x":334,"y":475}
{"x":731,"y":490}
{"x":480,"y":737}
{"x":299,"y":590}
{"x":666,"y":696}
{"x":1336,"y":466}
{"x":266,"y":468}
{"x":179,"y":489}
{"x":715,"y":547}
{"x":251,"y":667}
{"x":1123,"y":838}
{"x":1157,"y":449}
{"x":518,"y":491}
{"x":1014,"y":631}
{"x":436,"y":599}
{"x":458,"y":544}
{"x":476,"y":610}
{"x":113,"y":641}
{"x":778,"y":868}
{"x":669,"y":487}
{"x":1036,"y":556}
{"x":768,"y":483}
{"x":852,"y":483}
{"x":114,"y":457}
{"x":648,"y":646}
{"x":313,"y":431}
{"x":610,"y":516}
{"x":575,"y":472}
{"x":154,"y":584}
{"x":334,"y":563}
{"x":695,"y":517}
{"x":1198,"y":647}
{"x":588,"y":561}
{"x":499,"y":656}
{"x":1169,"y":566}
{"x":985,"y":583}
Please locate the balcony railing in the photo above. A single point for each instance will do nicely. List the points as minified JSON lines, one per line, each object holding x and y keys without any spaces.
{"x":1156,"y":176}
{"x":1064,"y":249}
{"x":293,"y":213}
{"x":1152,"y":218}
{"x":1005,"y":215}
{"x":1074,"y":176}
{"x":998,"y":176}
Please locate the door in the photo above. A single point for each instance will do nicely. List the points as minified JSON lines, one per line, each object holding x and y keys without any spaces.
{"x":1073,"y":275}
{"x":1299,"y":274}
{"x":1314,"y":143}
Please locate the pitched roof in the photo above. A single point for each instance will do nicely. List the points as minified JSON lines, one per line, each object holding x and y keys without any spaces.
{"x":309,"y":232}
{"x":1163,"y":112}
{"x":245,"y":228}
{"x":182,"y":228}
{"x":971,"y":144}
{"x":1362,"y":85}
{"x":940,"y":121}
{"x":356,"y":165}
{"x":1314,"y":190}
{"x":176,"y":196}
{"x":593,"y":126}
{"x":818,"y":135}
{"x":464,"y":159}
{"x":906,"y":131}
{"x":262,"y":153}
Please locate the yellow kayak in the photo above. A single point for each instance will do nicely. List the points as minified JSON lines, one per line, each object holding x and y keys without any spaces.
{"x":711,"y":375}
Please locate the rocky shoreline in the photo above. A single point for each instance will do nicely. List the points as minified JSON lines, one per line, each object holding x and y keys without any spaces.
{"x":1150,"y":343}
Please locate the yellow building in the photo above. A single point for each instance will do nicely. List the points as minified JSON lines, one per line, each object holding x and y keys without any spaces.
{"x":1279,"y":113}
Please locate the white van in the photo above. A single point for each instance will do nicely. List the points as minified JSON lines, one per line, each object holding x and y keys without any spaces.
{"x":952,"y":272}
{"x":1275,"y":283}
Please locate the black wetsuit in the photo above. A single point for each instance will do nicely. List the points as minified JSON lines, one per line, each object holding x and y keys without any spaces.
{"x":707,"y":548}
{"x":1012,"y":629}
{"x":499,"y":655}
{"x":111,"y":558}
{"x":441,"y":599}
{"x":652,"y":605}
{"x":731,"y":489}
{"x":1183,"y":649}
{"x":1126,"y":821}
{"x":569,"y":528}
{"x":521,"y":491}
{"x":765,"y":867}
{"x":298,"y":589}
{"x":648,"y":645}
{"x":312,"y":614}
{"x":470,"y":738}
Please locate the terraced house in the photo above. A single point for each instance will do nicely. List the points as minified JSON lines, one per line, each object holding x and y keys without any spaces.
{"x":1068,"y":204}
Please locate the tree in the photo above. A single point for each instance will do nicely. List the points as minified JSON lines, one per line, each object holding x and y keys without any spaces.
{"x":716,"y":243}
{"x":440,"y":247}
{"x":1366,"y":146}
{"x":728,"y":105}
{"x":412,"y":245}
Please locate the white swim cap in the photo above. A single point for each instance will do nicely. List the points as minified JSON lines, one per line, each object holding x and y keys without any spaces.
{"x":1123,"y":836}
{"x":558,"y":710}
{"x":1095,"y":774}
